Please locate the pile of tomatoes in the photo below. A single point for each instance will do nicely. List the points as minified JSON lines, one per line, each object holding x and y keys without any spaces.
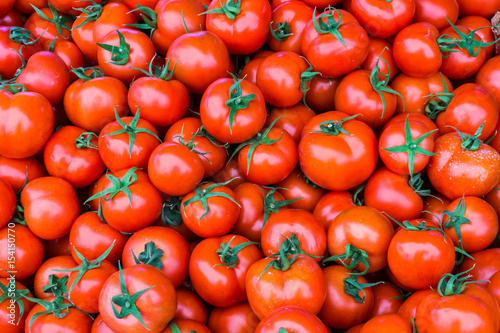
{"x":235,"y":166}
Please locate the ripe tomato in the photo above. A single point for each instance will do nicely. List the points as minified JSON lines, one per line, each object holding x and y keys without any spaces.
{"x":386,"y":323}
{"x":160,"y":247}
{"x":488,"y":76}
{"x":190,"y":306}
{"x":485,"y":264}
{"x":325,"y":148}
{"x":482,"y":24}
{"x":494,"y":286}
{"x":380,"y":48}
{"x":185,"y":326}
{"x":292,"y":119}
{"x":48,"y":24}
{"x":8,"y":202}
{"x":321,"y":94}
{"x":230,"y":171}
{"x":408,"y":309}
{"x":51,"y":278}
{"x":332,"y":204}
{"x":300,"y":191}
{"x":13,"y":308}
{"x":13,"y":40}
{"x":436,"y":12}
{"x":142,"y":291}
{"x":478,"y":7}
{"x":291,"y":319}
{"x":238,"y":318}
{"x":387,"y":299}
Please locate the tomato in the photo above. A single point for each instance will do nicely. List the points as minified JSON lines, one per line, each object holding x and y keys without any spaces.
{"x":13,"y":308}
{"x":91,"y":236}
{"x":28,"y":122}
{"x":218,"y":267}
{"x":238,"y":318}
{"x":386,"y":323}
{"x":482,"y":24}
{"x":293,"y":319}
{"x":488,"y":75}
{"x":485,"y":264}
{"x":332,"y":204}
{"x":130,"y":201}
{"x":160,"y":247}
{"x":200,"y":59}
{"x":269,"y":157}
{"x":185,"y":326}
{"x":415,"y":92}
{"x":71,"y":154}
{"x":417,"y":247}
{"x":142,"y":291}
{"x":51,"y":278}
{"x":48,"y":24}
{"x":296,"y":187}
{"x":161,"y":100}
{"x":190,"y":306}
{"x":230,"y":171}
{"x":68,"y":52}
{"x":174,"y":169}
{"x":416,"y":51}
{"x":452,"y":170}
{"x":57,"y":314}
{"x":267,"y":290}
{"x":13,"y":40}
{"x":387,"y":299}
{"x":408,"y":309}
{"x":243,"y":26}
{"x":320,"y":153}
{"x":380,"y":48}
{"x":292,"y":119}
{"x":249,"y":71}
{"x":352,"y":235}
{"x":127,"y":142}
{"x":493,"y":198}
{"x":233,"y":110}
{"x":25,"y":7}
{"x":321,"y":94}
{"x":294,"y":227}
{"x":100,"y":326}
{"x":135,"y":51}
{"x":494,"y":286}
{"x":334,"y":43}
{"x":478,"y":7}
{"x":13,"y":18}
{"x":57,"y":247}
{"x":6,"y":7}
{"x":420,"y":118}
{"x":434,"y":206}
{"x":436,"y":12}
{"x":210,"y":210}
{"x":90,"y":102}
{"x":8,"y":202}
{"x":288,"y":22}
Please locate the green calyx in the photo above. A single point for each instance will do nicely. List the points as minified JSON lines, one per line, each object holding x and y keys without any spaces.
{"x":438,"y":102}
{"x":58,"y":20}
{"x":95,"y":72}
{"x":230,"y":8}
{"x":150,"y":23}
{"x":228,"y":255}
{"x":450,"y":284}
{"x":22,"y":36}
{"x":260,"y":139}
{"x":352,"y":287}
{"x":171,"y":212}
{"x":416,"y":182}
{"x":412,"y":146}
{"x":380,"y":86}
{"x":456,"y":219}
{"x":470,"y":142}
{"x":306,"y":77}
{"x":355,"y":255}
{"x":272,"y":206}
{"x":15,"y":295}
{"x":118,"y":185}
{"x":421,"y":226}
{"x":56,"y":307}
{"x":175,"y":329}
{"x":282,"y":31}
{"x":13,"y":88}
{"x":84,"y":141}
{"x":283,"y":330}
{"x":291,"y":246}
{"x":119,"y":54}
{"x":281,"y":262}
{"x":56,"y":286}
{"x":330,"y":26}
{"x":202,"y":196}
{"x":236,"y":100}
{"x":448,"y":44}
{"x":161,"y":73}
{"x":150,"y":256}
{"x":92,"y":13}
{"x":334,"y":127}
{"x":191,"y":144}
{"x":127,"y":301}
{"x":85,"y":266}
{"x":131,"y":130}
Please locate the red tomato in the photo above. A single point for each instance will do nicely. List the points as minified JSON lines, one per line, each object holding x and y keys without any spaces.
{"x":185,"y":326}
{"x":292,"y":119}
{"x":484,"y":31}
{"x":8,"y":202}
{"x":380,"y":48}
{"x":436,"y":12}
{"x":13,"y":40}
{"x":494,"y":286}
{"x":485,"y":264}
{"x":48,"y":24}
{"x":321,"y":94}
{"x":238,"y":318}
{"x":488,"y":76}
{"x":408,"y":309}
{"x":291,"y":319}
{"x":230,"y":171}
{"x":13,"y":308}
{"x":434,"y":206}
{"x":387,"y":299}
{"x":332,"y":204}
{"x":386,"y":323}
{"x":485,"y":8}
{"x":51,"y":278}
{"x":190,"y":306}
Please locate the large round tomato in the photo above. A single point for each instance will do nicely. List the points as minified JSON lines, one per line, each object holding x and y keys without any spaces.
{"x":291,"y":319}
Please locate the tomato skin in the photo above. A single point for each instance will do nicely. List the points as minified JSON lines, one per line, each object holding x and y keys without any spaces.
{"x":50,"y":207}
{"x":8,"y":202}
{"x":387,"y":299}
{"x":386,"y":323}
{"x":202,"y":58}
{"x":100,"y":326}
{"x":190,"y":306}
{"x":6,"y":7}
{"x":327,"y":54}
{"x":247,"y":32}
{"x":304,"y":287}
{"x":293,"y":119}
{"x":411,"y":253}
{"x":434,"y":208}
{"x":332,"y":204}
{"x":309,"y":231}
{"x":291,"y":318}
{"x":358,"y":226}
{"x":9,"y":309}
{"x":249,"y":71}
{"x":486,"y":263}
{"x":90,"y":105}
{"x":494,"y":286}
{"x":63,"y":159}
{"x":321,"y":94}
{"x":92,"y":237}
{"x":296,"y":186}
{"x":319,"y":153}
{"x":238,"y":318}
{"x":174,"y":169}
{"x":215,"y":114}
{"x":383,"y":49}
{"x":229,"y":171}
{"x":488,"y":76}
{"x":269,"y":164}
{"x":435,"y":12}
{"x":217,"y":284}
{"x":297,"y":14}
{"x":356,"y":95}
{"x":9,"y":59}
{"x":75,"y":321}
{"x":44,"y":29}
{"x":416,"y":51}
{"x":222,"y":215}
{"x":28,"y":123}
{"x":451,"y":169}
{"x":175,"y":249}
{"x":485,"y":8}
{"x":408,"y":309}
{"x":156,"y":305}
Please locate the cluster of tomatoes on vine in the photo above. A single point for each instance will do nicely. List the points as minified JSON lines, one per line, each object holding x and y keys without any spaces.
{"x":249,"y":166}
